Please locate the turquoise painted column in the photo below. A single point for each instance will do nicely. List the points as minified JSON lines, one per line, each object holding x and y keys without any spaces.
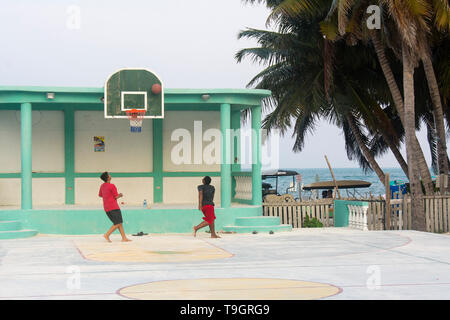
{"x":158,"y":161}
{"x":225,"y":172}
{"x":235,"y":147}
{"x":236,"y":140}
{"x":26,"y":155}
{"x":69,"y":154}
{"x":256,"y":156}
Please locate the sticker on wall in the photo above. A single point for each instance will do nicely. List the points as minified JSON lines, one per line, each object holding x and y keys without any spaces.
{"x":99,"y":144}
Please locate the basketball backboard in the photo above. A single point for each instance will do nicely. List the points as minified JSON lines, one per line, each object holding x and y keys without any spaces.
{"x":129,"y":88}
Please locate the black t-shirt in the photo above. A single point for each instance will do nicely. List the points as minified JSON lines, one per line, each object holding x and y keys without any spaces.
{"x":208,"y":194}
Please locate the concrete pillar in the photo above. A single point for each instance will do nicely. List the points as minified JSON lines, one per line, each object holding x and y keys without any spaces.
{"x":256,"y":156}
{"x":69,"y":142}
{"x":158,"y":160}
{"x":26,"y":155}
{"x":225,"y":172}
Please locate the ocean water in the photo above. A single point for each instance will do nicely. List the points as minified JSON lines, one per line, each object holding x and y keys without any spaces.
{"x":309,"y":176}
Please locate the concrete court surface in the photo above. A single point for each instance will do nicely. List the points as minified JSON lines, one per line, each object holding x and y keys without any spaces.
{"x":329,"y":263}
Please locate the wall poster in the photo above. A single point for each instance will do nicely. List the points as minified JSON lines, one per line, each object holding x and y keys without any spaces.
{"x":99,"y":144}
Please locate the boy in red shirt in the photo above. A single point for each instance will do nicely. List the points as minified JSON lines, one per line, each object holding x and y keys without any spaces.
{"x":109,"y":194}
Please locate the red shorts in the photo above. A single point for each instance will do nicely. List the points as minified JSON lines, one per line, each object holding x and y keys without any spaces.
{"x":208,"y":212}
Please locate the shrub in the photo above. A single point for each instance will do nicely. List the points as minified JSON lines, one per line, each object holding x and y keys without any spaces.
{"x":312,"y":223}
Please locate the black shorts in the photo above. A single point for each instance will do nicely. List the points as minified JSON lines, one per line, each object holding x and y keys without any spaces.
{"x":115,"y":216}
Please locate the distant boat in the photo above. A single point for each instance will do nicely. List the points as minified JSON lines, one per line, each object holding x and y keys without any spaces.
{"x":341,"y":184}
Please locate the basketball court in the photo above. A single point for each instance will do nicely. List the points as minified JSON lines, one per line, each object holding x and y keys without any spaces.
{"x":60,"y":140}
{"x":331,"y":263}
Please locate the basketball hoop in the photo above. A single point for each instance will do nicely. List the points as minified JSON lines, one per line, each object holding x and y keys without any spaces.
{"x":136,"y":117}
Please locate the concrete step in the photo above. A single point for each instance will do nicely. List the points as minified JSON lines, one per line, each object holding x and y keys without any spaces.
{"x":10,"y":225}
{"x":17,"y":234}
{"x":257,"y":221}
{"x":259,"y":229}
{"x":9,"y":215}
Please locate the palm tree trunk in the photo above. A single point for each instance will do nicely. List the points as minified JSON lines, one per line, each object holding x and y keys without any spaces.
{"x":367,"y":154}
{"x":385,"y":126}
{"x":438,"y":112}
{"x":398,"y":100}
{"x":417,"y":212}
{"x":397,"y":154}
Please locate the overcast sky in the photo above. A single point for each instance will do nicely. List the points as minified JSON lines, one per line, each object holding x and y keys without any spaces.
{"x":189,"y":44}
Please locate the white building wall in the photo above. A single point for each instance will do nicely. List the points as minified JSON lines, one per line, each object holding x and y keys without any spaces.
{"x":10,"y":192}
{"x":46,"y":192}
{"x":124,"y":151}
{"x":134,"y":190}
{"x":49,"y":191}
{"x":9,"y":144}
{"x":180,"y":190}
{"x":174,"y":120}
{"x":47,"y":140}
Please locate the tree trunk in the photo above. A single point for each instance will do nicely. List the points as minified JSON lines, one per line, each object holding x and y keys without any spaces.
{"x":417,"y":212}
{"x":438,"y":112}
{"x":397,"y":155}
{"x":385,"y":126}
{"x":398,"y":100}
{"x":367,"y":154}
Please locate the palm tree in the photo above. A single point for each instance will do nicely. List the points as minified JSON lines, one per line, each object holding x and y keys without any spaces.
{"x":409,"y":19}
{"x":296,"y":74}
{"x":409,"y":24}
{"x":387,"y":133}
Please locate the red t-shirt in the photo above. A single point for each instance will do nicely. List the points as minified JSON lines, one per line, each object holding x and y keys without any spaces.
{"x":108,"y":192}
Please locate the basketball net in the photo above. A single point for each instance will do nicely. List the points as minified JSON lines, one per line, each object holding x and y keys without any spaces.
{"x":136,"y":117}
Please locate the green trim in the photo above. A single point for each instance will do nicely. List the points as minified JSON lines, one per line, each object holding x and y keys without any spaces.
{"x":225,"y":178}
{"x":26,"y":156}
{"x":236,"y":142}
{"x":69,"y":154}
{"x":10,"y":175}
{"x":158,"y":192}
{"x":118,"y":174}
{"x":114,"y":174}
{"x":242,"y":201}
{"x":233,"y":187}
{"x":256,"y":157}
{"x":208,"y":107}
{"x":56,"y":107}
{"x":247,"y":97}
{"x":257,"y":92}
{"x":241,"y":173}
{"x":191,"y":174}
{"x":123,"y":174}
{"x":35,"y":175}
{"x":41,"y":175}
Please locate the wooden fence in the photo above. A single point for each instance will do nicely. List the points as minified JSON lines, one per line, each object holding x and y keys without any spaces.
{"x":437,"y":215}
{"x":294,"y":213}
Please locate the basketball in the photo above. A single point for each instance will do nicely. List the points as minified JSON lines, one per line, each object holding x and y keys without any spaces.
{"x":156,"y":88}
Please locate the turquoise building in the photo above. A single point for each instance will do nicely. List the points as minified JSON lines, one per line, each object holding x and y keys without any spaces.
{"x":51,"y":161}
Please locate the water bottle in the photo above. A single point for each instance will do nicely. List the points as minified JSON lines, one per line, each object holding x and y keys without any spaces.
{"x":145,"y":204}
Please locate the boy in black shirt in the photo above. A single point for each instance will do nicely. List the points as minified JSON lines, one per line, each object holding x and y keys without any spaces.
{"x":206,"y":205}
